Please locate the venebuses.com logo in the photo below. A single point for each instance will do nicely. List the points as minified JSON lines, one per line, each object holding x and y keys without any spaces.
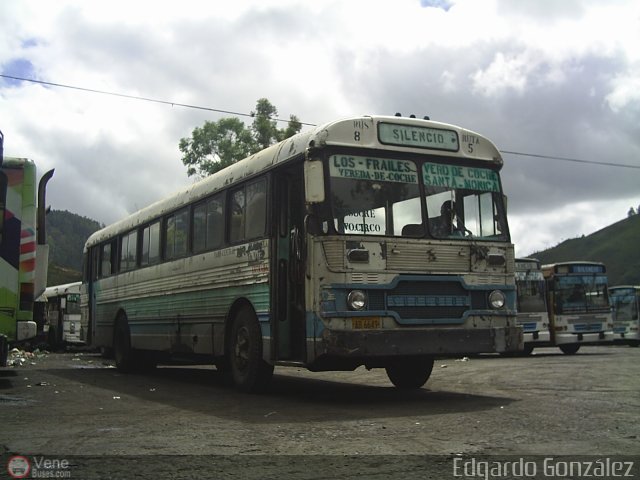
{"x":19,"y":466}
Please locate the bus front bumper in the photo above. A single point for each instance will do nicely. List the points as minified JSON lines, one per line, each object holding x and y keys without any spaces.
{"x":631,"y":338}
{"x":420,"y":342}
{"x":581,"y":338}
{"x":537,"y":337}
{"x":25,"y":330}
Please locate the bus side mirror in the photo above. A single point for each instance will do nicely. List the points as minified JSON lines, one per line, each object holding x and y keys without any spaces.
{"x":313,"y":181}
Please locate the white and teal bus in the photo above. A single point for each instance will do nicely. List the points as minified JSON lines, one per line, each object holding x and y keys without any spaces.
{"x":23,"y":250}
{"x":62,"y":313}
{"x":625,"y":300}
{"x":532,"y":304}
{"x":578,"y":303}
{"x":375,"y":241}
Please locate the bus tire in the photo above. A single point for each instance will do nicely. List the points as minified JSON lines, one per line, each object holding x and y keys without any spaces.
{"x":571,"y":349}
{"x":249,"y":371}
{"x":52,"y":338}
{"x":528,"y":350}
{"x":122,"y":351}
{"x":409,"y":373}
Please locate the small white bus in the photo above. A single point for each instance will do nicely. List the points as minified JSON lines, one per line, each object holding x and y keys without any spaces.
{"x":578,"y":303}
{"x":626,"y":324}
{"x":532,"y":304}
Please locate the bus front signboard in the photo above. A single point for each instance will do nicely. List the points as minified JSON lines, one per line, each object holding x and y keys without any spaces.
{"x":420,"y":137}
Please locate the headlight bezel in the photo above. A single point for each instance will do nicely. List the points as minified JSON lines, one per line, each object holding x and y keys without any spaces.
{"x":497,"y":299}
{"x":356,"y":300}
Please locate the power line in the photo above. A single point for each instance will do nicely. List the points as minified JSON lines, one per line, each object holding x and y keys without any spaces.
{"x":566,"y":159}
{"x":135,"y":97}
{"x":240,"y":114}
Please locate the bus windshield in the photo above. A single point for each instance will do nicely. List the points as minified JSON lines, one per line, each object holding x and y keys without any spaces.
{"x":381,"y":196}
{"x":73,"y":304}
{"x":580,"y":293}
{"x":530,"y":292}
{"x":625,"y":304}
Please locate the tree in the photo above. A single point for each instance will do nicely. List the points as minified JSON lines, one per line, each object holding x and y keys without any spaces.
{"x":217,"y":145}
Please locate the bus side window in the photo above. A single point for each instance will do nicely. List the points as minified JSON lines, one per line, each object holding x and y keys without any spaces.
{"x":236,"y":224}
{"x":256,"y":209}
{"x":215,"y":222}
{"x":248,"y":212}
{"x":105,"y":260}
{"x":176,"y":234}
{"x":128,"y":250}
{"x":208,"y":224}
{"x":150,"y":244}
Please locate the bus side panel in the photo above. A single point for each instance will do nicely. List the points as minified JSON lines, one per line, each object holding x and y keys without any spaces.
{"x":182,"y":306}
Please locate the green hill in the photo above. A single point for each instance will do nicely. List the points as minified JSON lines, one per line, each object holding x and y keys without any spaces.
{"x":617,"y":246}
{"x":66,"y":235}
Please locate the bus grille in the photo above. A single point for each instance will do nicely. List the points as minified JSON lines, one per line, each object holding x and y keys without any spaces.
{"x":587,"y":327}
{"x":428,"y":301}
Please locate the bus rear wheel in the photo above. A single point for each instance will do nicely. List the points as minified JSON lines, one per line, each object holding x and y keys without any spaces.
{"x":122,"y":351}
{"x":408,"y":373}
{"x":127,"y":359}
{"x":249,"y":371}
{"x":569,"y":349}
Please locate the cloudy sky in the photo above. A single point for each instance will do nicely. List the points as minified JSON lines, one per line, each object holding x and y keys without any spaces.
{"x":545,"y":77}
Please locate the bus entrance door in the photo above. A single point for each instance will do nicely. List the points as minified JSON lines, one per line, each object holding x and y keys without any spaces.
{"x":288,"y":268}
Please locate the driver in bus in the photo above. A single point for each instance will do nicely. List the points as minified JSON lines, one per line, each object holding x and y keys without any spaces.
{"x":443,"y":226}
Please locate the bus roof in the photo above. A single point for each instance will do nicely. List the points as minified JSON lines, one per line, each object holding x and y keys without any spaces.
{"x":64,"y":289}
{"x":339,"y":133}
{"x":572,"y":262}
{"x":626,"y":287}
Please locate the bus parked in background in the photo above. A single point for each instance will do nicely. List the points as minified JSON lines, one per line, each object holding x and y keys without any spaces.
{"x":62,"y":313}
{"x":375,"y":241}
{"x":578,"y":302}
{"x":23,"y":249}
{"x":532,"y":304}
{"x":625,"y":300}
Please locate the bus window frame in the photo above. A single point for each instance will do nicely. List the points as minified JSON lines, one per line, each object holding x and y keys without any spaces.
{"x":220,"y":197}
{"x":141,"y":235}
{"x":165,"y":234}
{"x":265,"y":178}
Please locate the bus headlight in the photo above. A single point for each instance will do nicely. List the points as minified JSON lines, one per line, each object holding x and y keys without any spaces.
{"x":497,"y":299}
{"x":356,"y":300}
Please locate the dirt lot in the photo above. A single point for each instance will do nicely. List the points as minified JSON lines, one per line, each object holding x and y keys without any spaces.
{"x":186,"y":422}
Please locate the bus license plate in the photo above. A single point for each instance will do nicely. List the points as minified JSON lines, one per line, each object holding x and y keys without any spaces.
{"x":365,"y":323}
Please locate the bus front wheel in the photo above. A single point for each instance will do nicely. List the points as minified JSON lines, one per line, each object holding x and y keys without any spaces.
{"x":569,"y":349}
{"x":249,"y":371}
{"x":409,"y":373}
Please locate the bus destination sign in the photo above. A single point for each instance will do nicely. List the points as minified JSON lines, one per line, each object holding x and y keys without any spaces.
{"x":455,"y":176}
{"x":376,"y":169}
{"x":586,"y":269}
{"x":419,"y":137}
